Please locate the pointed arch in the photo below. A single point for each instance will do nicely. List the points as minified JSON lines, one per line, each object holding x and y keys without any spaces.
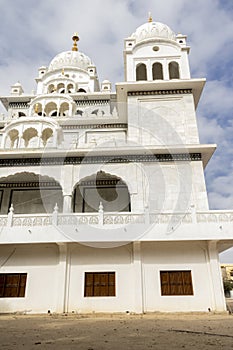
{"x":13,"y":137}
{"x":102,"y":187}
{"x":64,"y":109}
{"x":141,"y":72}
{"x":30,"y":193}
{"x":46,"y":135}
{"x":28,"y":135}
{"x":51,"y":109}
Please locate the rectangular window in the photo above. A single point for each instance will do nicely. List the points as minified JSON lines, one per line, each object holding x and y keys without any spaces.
{"x":12,"y":285}
{"x":176,"y":283}
{"x":99,"y":284}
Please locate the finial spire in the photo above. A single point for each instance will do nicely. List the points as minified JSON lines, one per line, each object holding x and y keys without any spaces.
{"x":150,"y":19}
{"x":75,"y":38}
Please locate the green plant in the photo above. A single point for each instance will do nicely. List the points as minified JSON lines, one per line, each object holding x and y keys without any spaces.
{"x":227,"y":285}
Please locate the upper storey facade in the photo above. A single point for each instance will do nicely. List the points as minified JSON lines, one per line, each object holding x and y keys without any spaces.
{"x":70,"y":109}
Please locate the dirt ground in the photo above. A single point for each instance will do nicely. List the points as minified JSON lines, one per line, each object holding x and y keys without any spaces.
{"x":117,"y":332}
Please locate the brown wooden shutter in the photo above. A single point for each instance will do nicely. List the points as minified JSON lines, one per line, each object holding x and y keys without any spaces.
{"x":165,"y":285}
{"x":111,"y":284}
{"x":22,"y":285}
{"x":89,"y":279}
{"x":187,"y":283}
{"x":96,"y":285}
{"x":2,"y":285}
{"x":103,"y":284}
{"x":176,"y":283}
{"x":12,"y":285}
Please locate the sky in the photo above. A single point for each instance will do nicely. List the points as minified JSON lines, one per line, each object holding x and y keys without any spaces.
{"x":32,"y":32}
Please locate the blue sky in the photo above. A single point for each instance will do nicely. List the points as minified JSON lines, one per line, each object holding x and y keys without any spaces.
{"x":32,"y":32}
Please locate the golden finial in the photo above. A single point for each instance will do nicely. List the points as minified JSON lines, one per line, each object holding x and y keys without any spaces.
{"x":36,"y":108}
{"x":150,"y":19}
{"x":63,"y":71}
{"x":75,"y":38}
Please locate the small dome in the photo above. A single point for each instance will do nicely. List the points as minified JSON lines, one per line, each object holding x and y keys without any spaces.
{"x":153,"y":30}
{"x":73,"y":59}
{"x":17,"y":84}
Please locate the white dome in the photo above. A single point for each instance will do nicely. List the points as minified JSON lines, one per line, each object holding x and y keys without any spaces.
{"x":153,"y":30}
{"x":74,"y":59}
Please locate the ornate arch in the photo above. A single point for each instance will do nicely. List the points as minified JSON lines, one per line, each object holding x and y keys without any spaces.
{"x":102,"y":187}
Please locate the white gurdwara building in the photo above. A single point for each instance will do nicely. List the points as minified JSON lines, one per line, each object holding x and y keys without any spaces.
{"x":103,"y":197}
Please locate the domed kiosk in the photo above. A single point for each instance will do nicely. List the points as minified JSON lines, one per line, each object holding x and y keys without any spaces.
{"x":155,"y":52}
{"x":69,"y":72}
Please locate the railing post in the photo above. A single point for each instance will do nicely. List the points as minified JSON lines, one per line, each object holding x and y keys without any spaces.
{"x":10,"y":216}
{"x":55,"y":215}
{"x":193,"y":214}
{"x":101,"y":214}
{"x":147,"y":215}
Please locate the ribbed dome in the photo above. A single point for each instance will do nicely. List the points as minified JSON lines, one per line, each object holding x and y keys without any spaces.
{"x":74,"y":59}
{"x":153,"y":30}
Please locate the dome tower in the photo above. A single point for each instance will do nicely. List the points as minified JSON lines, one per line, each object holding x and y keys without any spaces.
{"x":68,"y":72}
{"x":155,"y":52}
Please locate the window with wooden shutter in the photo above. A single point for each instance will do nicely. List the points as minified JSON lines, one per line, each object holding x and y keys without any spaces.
{"x":176,"y":283}
{"x":99,"y":284}
{"x":12,"y":285}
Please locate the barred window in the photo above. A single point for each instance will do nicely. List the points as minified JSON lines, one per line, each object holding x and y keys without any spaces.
{"x":12,"y":285}
{"x":99,"y":284}
{"x":176,"y":283}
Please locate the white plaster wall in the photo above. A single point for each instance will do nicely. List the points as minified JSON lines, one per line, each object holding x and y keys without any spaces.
{"x":144,"y":53}
{"x":89,"y":259}
{"x":176,"y":256}
{"x":174,"y":186}
{"x":40,"y":264}
{"x":168,"y":120}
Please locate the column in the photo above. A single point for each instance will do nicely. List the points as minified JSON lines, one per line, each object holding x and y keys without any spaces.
{"x":138,"y":280}
{"x":63,"y":278}
{"x":70,"y":110}
{"x":67,"y":187}
{"x":67,"y":203}
{"x":165,"y":70}
{"x":55,"y":138}
{"x":216,"y":278}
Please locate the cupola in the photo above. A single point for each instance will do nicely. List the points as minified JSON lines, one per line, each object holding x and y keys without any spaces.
{"x":154,"y":52}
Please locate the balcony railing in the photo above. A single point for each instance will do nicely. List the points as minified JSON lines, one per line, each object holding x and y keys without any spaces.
{"x":102,"y":218}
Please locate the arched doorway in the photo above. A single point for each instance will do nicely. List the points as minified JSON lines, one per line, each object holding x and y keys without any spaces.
{"x":108,"y":189}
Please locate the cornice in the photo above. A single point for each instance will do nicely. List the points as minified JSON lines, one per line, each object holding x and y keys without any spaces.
{"x":68,"y":160}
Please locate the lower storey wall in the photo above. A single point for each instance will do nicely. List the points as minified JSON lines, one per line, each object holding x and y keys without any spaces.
{"x":56,"y":278}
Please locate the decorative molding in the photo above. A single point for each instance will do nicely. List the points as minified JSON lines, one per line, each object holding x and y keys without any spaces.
{"x":34,"y":184}
{"x":103,"y":183}
{"x":18,"y":105}
{"x":95,"y":126}
{"x":148,"y":158}
{"x":92,"y":102}
{"x":160,"y":92}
